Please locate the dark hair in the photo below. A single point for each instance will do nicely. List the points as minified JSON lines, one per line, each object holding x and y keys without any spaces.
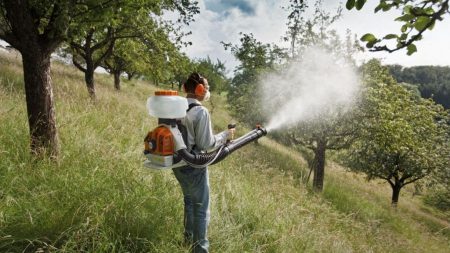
{"x":193,"y":80}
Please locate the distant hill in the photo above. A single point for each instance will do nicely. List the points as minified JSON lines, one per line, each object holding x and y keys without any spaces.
{"x":432,"y":81}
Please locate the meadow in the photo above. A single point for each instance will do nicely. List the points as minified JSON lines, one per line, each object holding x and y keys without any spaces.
{"x":97,"y":197}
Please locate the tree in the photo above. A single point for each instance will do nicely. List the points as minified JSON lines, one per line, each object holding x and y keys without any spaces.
{"x":36,"y":29}
{"x":438,"y":192}
{"x":121,"y":60}
{"x":215,"y":72}
{"x":334,"y":131}
{"x":183,"y":66}
{"x":304,"y":31}
{"x":93,"y":42}
{"x":402,"y":137}
{"x":416,"y":18}
{"x":147,"y":57}
{"x":256,"y":58}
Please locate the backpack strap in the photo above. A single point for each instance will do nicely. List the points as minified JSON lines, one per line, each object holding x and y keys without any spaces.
{"x":189,"y":108}
{"x":192,"y":106}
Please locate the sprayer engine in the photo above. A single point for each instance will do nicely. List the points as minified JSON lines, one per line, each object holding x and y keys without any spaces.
{"x":165,"y":145}
{"x":159,"y":146}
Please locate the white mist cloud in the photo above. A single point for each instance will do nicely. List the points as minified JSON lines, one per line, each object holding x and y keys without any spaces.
{"x":315,"y":87}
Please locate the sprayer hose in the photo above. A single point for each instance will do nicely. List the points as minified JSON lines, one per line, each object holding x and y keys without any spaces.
{"x":205,"y":159}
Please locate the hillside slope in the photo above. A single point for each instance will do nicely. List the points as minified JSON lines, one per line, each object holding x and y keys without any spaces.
{"x":98,"y":198}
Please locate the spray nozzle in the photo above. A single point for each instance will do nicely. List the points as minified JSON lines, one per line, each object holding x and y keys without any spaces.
{"x":259,"y":127}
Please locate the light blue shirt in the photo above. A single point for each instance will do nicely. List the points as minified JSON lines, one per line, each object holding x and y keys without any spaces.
{"x":200,"y":134}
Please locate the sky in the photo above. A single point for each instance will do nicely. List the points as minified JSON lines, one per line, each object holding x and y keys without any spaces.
{"x":222,"y":20}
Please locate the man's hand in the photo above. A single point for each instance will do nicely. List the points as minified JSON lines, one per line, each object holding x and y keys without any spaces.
{"x":231,"y":130}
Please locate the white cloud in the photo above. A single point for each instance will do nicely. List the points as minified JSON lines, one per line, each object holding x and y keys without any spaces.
{"x":267,"y":21}
{"x":210,"y":28}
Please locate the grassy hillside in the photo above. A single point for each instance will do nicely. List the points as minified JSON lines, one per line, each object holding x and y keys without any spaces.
{"x":98,"y":198}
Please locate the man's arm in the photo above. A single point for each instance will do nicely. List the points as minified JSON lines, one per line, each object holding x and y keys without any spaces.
{"x":204,"y":137}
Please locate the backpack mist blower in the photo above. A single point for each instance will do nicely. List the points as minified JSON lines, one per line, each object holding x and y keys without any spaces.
{"x":165,"y":146}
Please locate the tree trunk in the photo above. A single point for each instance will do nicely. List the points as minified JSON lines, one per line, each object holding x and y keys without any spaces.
{"x":395,"y":194}
{"x":89,"y":78}
{"x":319,"y":170}
{"x":39,"y":96}
{"x":117,"y":80}
{"x":130,"y":76}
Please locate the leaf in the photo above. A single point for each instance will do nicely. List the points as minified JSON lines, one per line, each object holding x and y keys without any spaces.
{"x":390,"y":36}
{"x":403,"y":36}
{"x":378,"y":8}
{"x":411,"y":49}
{"x":360,"y":4}
{"x":421,"y":23}
{"x":368,"y":37}
{"x":350,"y":4}
{"x":407,"y":9}
{"x":382,"y":6}
{"x":404,"y":28}
{"x":370,"y":44}
{"x":405,"y":18}
{"x":431,"y":26}
{"x":428,"y":11}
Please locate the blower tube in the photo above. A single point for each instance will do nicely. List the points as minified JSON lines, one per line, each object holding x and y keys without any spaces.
{"x":203,"y":160}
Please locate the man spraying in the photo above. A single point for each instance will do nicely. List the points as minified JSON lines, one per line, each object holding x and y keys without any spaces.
{"x":194,"y":182}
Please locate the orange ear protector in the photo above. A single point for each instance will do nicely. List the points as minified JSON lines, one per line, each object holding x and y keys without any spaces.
{"x":200,"y":89}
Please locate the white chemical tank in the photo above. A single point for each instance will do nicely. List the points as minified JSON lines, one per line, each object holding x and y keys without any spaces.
{"x":166,"y":104}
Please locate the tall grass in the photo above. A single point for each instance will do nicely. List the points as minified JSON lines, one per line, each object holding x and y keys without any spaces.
{"x":98,"y":198}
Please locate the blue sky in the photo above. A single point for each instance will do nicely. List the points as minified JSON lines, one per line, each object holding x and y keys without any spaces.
{"x":222,"y":20}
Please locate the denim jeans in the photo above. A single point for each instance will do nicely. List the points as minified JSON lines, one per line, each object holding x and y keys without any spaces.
{"x":195,"y":186}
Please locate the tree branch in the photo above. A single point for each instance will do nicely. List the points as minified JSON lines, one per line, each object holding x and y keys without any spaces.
{"x":105,"y":41}
{"x":78,"y":65}
{"x":435,"y":16}
{"x":106,"y":54}
{"x":413,"y":180}
{"x":53,"y":15}
{"x":78,"y":49}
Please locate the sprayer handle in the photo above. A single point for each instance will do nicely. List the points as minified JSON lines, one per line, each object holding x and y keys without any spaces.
{"x":231,"y":130}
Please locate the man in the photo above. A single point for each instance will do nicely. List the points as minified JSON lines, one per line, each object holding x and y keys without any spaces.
{"x":194,"y":181}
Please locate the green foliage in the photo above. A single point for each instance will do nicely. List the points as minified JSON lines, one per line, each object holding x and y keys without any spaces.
{"x":411,"y":48}
{"x":439,"y":197}
{"x":319,"y":136}
{"x":148,"y":47}
{"x":126,"y":57}
{"x":214,"y":72}
{"x":255,"y":59}
{"x":370,"y":39}
{"x":416,"y":18}
{"x":432,"y":81}
{"x":401,"y":138}
{"x":304,"y":31}
{"x":359,"y":4}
